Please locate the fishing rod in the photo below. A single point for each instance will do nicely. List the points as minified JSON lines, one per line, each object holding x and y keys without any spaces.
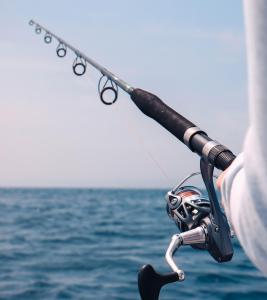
{"x":199,"y":218}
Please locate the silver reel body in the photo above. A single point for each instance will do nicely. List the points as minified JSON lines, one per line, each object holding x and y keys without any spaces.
{"x":187,"y":206}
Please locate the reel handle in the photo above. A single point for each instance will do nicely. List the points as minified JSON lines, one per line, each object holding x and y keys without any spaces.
{"x":150,"y":282}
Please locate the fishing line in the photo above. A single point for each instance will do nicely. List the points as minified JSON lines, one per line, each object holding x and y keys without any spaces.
{"x":133,"y":130}
{"x":108,"y":84}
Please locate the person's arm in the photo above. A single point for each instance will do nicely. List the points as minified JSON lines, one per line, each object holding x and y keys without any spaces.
{"x":244,"y":185}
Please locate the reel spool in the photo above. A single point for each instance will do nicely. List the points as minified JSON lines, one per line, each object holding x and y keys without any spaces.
{"x":187,"y":205}
{"x":105,"y":85}
{"x":61,"y":50}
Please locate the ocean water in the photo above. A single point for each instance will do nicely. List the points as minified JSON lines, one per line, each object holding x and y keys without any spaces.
{"x":90,"y":244}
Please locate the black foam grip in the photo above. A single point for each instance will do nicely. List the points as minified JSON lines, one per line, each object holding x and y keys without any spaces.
{"x":156,"y":109}
{"x":175,"y":123}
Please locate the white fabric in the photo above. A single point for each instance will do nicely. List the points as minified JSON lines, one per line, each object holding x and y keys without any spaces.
{"x":244,"y":189}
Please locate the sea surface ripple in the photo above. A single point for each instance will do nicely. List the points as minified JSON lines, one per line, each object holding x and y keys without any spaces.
{"x":90,"y":244}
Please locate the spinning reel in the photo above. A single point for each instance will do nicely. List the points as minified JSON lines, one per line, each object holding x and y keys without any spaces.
{"x":202,"y":225}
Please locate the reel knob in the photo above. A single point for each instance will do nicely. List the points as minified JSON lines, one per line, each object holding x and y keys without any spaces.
{"x":150,"y":282}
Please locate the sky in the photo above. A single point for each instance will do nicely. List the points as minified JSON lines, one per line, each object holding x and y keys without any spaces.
{"x":54,"y":130}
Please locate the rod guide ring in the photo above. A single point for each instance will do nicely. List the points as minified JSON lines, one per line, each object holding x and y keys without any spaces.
{"x":38,"y":29}
{"x":79,"y":66}
{"x":105,"y":84}
{"x":48,"y":38}
{"x":61,"y":50}
{"x":104,"y":90}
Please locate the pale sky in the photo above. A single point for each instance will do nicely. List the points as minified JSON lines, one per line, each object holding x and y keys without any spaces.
{"x":54,"y":130}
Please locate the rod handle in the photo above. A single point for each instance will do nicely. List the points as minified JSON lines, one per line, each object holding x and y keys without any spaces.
{"x":183,"y":129}
{"x":155,"y":108}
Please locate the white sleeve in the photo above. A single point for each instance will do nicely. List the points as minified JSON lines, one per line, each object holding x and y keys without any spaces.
{"x":244,"y":189}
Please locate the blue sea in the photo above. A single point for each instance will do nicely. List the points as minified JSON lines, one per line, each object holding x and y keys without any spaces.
{"x":90,"y":243}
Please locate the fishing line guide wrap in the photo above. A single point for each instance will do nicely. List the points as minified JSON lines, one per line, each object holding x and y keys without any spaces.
{"x":200,"y":219}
